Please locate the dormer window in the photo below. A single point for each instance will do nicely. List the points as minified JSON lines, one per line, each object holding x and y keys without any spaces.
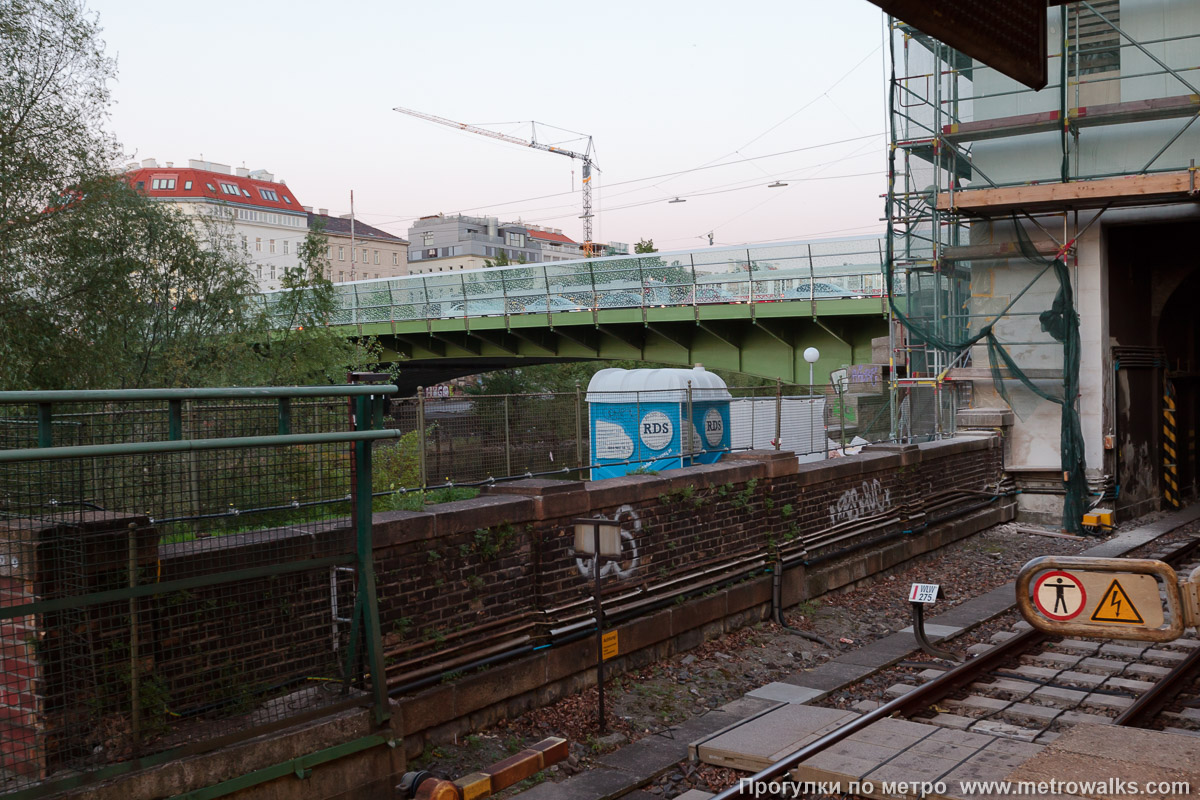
{"x":187,"y":186}
{"x":269,"y":194}
{"x":162,"y":183}
{"x":230,"y":188}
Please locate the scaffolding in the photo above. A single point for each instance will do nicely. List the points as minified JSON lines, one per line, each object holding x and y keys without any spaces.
{"x":992,"y":184}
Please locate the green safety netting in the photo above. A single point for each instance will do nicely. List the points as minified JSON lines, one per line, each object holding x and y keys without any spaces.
{"x":1060,"y":321}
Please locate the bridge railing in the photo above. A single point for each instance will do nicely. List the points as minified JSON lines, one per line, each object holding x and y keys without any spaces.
{"x":816,"y":270}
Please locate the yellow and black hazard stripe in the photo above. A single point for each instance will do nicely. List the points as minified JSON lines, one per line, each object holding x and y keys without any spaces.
{"x":1170,"y":446}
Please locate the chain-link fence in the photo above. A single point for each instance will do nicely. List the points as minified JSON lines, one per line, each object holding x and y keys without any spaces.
{"x":178,"y":570}
{"x":473,"y":439}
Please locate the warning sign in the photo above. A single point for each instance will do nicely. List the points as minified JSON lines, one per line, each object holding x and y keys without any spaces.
{"x":1115,"y":606}
{"x":1059,"y":595}
{"x":1115,"y":598}
{"x":609,"y":642}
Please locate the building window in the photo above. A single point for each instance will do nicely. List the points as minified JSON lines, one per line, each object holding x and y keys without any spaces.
{"x":376,"y":254}
{"x":287,"y":199}
{"x":329,"y":252}
{"x":364,"y":258}
{"x":245,"y":244}
{"x":428,"y":239}
{"x":258,"y":244}
{"x":341,"y":276}
{"x":285,"y":247}
{"x":245,"y":192}
{"x":271,"y":244}
{"x":395,"y":259}
{"x":269,"y":194}
{"x":258,"y":269}
{"x":211,"y":188}
{"x":272,"y":272}
{"x":187,"y":186}
{"x":162,"y":183}
{"x":230,"y":188}
{"x":516,"y":240}
{"x":341,"y":255}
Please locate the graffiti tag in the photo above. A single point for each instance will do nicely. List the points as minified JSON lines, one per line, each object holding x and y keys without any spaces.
{"x":861,"y":501}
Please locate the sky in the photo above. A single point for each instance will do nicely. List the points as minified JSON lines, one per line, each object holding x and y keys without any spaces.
{"x":703,"y":101}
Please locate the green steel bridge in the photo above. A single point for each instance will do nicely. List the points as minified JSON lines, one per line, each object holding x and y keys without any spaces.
{"x":749,"y":309}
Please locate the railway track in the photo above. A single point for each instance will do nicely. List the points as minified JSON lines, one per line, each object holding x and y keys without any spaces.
{"x":1030,"y":686}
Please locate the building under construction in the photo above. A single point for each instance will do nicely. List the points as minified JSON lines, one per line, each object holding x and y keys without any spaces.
{"x":1044,"y":251}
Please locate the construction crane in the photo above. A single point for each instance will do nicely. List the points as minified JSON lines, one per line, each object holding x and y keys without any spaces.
{"x":585,"y":157}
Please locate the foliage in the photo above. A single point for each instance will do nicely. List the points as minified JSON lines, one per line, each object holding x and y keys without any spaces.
{"x":102,"y":287}
{"x":645,"y":246}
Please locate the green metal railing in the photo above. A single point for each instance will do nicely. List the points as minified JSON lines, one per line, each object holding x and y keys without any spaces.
{"x":179,"y":570}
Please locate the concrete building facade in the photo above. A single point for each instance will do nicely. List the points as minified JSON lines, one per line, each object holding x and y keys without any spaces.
{"x":358,"y":251}
{"x":262,"y":213}
{"x":442,"y":243}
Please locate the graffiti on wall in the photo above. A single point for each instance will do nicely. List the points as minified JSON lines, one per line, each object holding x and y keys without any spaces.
{"x":628,"y":563}
{"x":861,"y":501}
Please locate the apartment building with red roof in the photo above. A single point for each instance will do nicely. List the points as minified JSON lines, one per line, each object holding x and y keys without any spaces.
{"x":266,"y":218}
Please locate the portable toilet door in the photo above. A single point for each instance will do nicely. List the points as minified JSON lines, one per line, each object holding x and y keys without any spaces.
{"x":637,"y":419}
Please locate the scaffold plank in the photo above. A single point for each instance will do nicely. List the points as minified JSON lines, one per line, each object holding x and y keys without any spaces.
{"x":1165,"y":187}
{"x":1184,"y":105}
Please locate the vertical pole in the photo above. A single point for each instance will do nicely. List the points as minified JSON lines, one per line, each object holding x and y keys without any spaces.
{"x":841,"y":395}
{"x":688,"y":426}
{"x":368,"y":600}
{"x":135,"y":699}
{"x":579,"y":428}
{"x":599,"y":626}
{"x":421,"y":437}
{"x":778,"y":412}
{"x":507,"y":442}
{"x":44,"y":431}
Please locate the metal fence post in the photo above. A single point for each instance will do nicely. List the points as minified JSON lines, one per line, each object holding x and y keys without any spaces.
{"x":368,"y":599}
{"x":421,"y":437}
{"x":778,"y":412}
{"x":689,"y":426}
{"x":579,"y":427}
{"x":507,"y":442}
{"x":135,"y":723}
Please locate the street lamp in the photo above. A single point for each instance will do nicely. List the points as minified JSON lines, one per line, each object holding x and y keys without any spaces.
{"x":811,"y":354}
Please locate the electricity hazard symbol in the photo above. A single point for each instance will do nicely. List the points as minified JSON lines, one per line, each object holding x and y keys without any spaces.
{"x":1059,"y":595}
{"x":1115,"y":606}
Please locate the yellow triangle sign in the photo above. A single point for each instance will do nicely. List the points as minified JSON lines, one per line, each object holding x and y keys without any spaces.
{"x":1116,"y":606}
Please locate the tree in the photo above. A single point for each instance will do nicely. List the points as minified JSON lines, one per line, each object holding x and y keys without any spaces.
{"x":102,"y":287}
{"x":300,"y":348}
{"x":501,"y":260}
{"x":645,"y":246}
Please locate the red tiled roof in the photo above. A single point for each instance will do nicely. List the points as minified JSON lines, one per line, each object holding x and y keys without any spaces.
{"x":201,"y":180}
{"x":551,"y":237}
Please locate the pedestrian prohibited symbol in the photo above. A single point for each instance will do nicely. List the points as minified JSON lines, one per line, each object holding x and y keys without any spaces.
{"x":1112,"y":598}
{"x":1059,"y":595}
{"x":1115,"y":606}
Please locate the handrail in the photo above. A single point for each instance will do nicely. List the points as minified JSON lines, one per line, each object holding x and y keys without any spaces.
{"x":229,"y":393}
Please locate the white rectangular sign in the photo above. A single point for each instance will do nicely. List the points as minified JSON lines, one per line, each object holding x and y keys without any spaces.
{"x":923,"y":593}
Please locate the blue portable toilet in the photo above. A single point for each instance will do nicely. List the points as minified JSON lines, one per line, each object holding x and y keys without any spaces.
{"x":637,"y":419}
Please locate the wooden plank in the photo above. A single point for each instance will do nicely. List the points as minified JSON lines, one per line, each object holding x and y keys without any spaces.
{"x":1166,"y":187}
